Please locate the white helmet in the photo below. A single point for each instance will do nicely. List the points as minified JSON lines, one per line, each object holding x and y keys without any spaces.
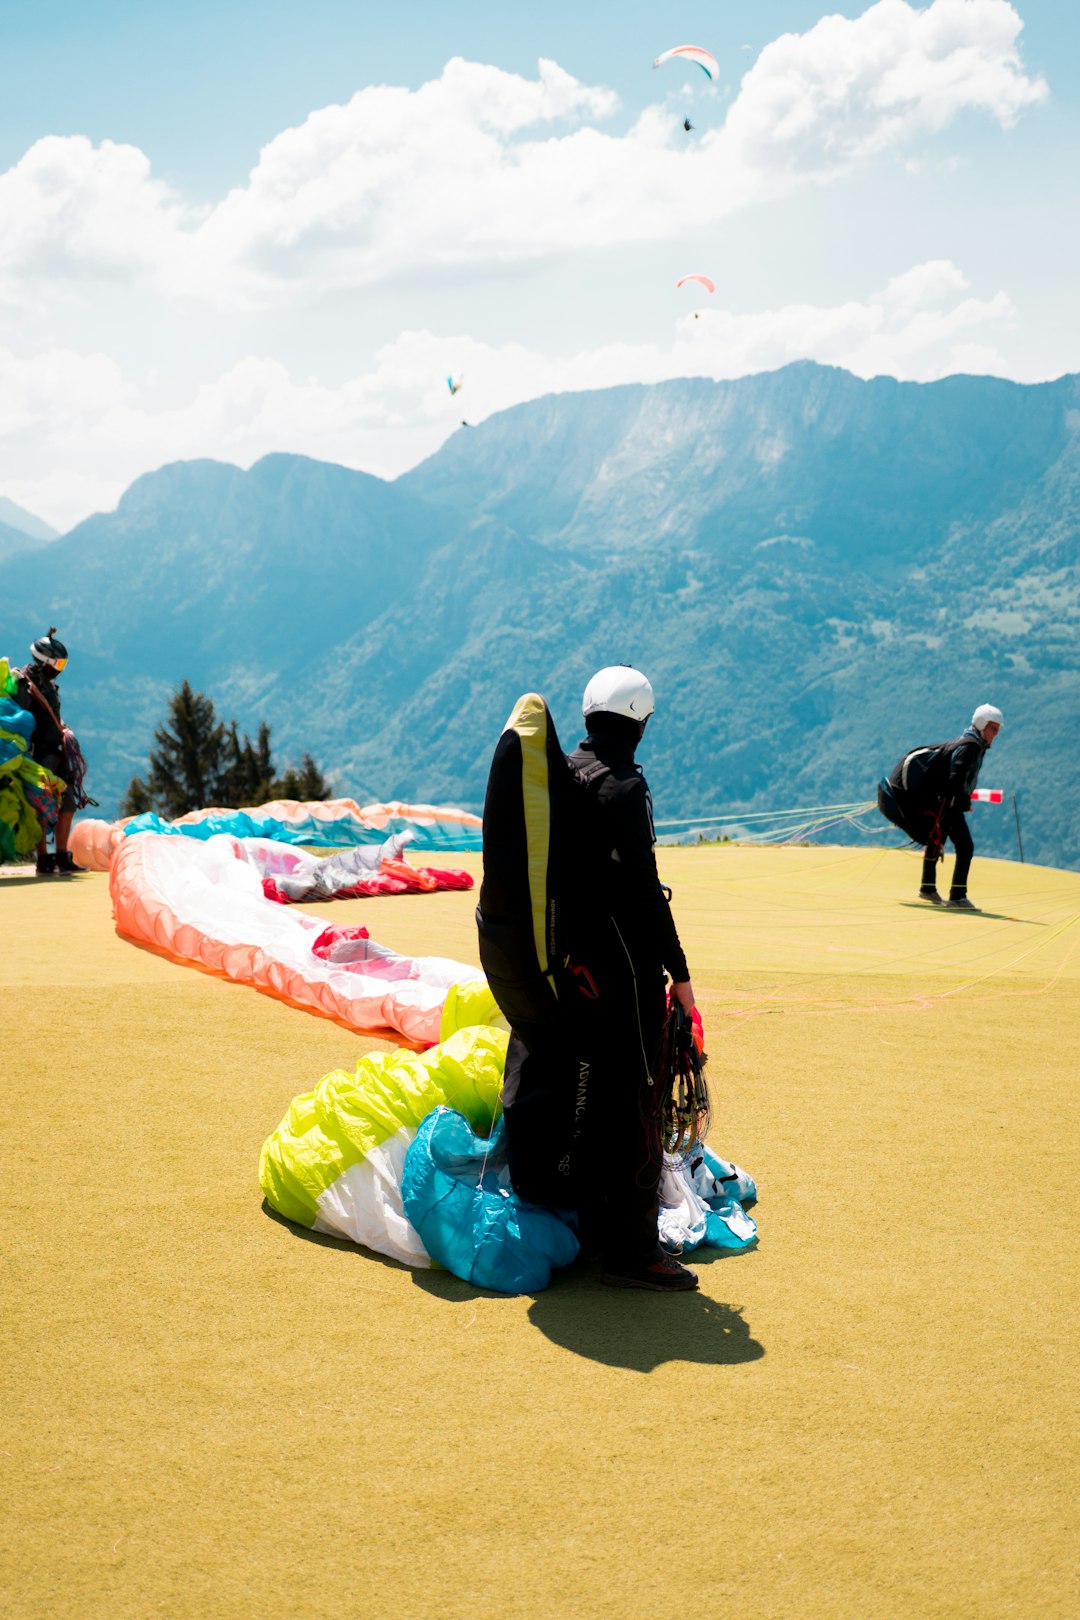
{"x":986,"y":715}
{"x":620,"y":689}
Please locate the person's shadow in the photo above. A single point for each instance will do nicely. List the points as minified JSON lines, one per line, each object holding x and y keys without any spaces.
{"x":624,"y":1328}
{"x":989,"y":916}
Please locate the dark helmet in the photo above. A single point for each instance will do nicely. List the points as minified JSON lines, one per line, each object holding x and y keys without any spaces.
{"x":47,"y":650}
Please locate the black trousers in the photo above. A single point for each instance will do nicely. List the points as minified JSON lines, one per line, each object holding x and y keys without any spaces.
{"x":956,"y":831}
{"x":577,"y":1096}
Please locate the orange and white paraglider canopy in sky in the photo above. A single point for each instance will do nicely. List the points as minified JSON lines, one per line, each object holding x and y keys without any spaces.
{"x":702,"y":58}
{"x":705,"y":281}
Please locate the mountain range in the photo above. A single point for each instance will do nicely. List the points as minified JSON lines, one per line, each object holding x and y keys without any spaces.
{"x":20,"y":530}
{"x":816,"y":572}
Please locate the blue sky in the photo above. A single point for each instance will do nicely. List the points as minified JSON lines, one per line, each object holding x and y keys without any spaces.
{"x":894,"y":191}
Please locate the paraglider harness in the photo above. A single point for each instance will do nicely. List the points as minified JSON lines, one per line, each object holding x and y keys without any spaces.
{"x":678,"y":1109}
{"x":72,"y":755}
{"x":914,"y":798}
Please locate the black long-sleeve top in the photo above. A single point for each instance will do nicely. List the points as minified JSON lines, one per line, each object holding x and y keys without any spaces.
{"x":47,"y":739}
{"x":626,"y":839}
{"x":964,"y":762}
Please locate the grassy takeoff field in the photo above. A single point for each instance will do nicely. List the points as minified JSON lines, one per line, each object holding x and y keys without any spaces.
{"x":207,"y":1413}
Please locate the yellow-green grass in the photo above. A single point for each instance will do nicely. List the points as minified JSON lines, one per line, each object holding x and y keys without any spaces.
{"x":206,"y":1413}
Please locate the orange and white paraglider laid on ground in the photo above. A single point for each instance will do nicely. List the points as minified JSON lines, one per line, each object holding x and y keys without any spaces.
{"x":196,"y":901}
{"x":214,"y":898}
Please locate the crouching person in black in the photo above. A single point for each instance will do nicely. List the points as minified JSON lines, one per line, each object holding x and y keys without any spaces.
{"x":965,"y":757}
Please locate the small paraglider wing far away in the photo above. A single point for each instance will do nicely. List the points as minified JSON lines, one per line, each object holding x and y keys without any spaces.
{"x":454,"y":384}
{"x":705,"y":281}
{"x":687,"y":125}
{"x":704,"y":59}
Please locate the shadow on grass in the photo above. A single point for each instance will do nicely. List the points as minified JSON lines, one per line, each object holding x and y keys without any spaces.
{"x":992,"y":916}
{"x":19,"y":881}
{"x":623,"y":1327}
{"x":638,"y":1330}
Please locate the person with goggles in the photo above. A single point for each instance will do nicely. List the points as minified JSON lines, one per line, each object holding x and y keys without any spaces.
{"x":37,"y":691}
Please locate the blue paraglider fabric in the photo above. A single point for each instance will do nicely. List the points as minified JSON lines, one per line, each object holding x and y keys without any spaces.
{"x":457,"y":1195}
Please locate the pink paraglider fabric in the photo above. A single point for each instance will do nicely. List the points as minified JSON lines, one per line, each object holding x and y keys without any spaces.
{"x":290,"y":874}
{"x":194,"y":900}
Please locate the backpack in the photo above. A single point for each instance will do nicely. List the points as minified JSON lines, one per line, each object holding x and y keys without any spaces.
{"x":913,"y":794}
{"x":73,"y":760}
{"x":538,"y":850}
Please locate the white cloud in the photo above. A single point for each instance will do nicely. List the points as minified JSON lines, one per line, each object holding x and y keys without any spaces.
{"x":477,"y":169}
{"x":454,"y":173}
{"x":55,"y":388}
{"x":853,"y":87}
{"x":83,"y":213}
{"x":93,"y":426}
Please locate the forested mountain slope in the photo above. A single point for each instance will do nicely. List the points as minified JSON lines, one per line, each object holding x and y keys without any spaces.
{"x":816,"y":572}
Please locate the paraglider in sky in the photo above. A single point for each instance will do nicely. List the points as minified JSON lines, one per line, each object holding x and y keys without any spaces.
{"x":687,"y":125}
{"x":708,"y":284}
{"x":454,"y":384}
{"x":704,"y":59}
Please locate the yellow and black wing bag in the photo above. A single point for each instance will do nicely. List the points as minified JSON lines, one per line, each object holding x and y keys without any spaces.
{"x":529,"y":849}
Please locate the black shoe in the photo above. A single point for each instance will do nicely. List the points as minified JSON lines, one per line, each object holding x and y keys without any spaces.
{"x":663,"y":1276}
{"x":928,"y":892}
{"x":65,"y":862}
{"x":46,"y":865}
{"x":960,"y":902}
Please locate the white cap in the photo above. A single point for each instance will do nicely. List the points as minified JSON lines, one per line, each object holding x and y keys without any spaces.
{"x":986,"y":715}
{"x":620,"y":689}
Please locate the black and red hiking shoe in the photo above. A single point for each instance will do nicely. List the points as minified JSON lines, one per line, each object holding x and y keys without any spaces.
{"x":662,"y":1276}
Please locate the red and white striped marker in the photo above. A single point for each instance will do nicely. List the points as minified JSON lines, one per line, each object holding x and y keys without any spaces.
{"x":988,"y":796}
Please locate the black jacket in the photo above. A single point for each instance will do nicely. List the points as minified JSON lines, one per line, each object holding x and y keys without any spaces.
{"x":965,"y":760}
{"x":48,"y":739}
{"x":626,"y":864}
{"x":931,"y":776}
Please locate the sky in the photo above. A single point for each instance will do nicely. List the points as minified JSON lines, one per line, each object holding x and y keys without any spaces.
{"x":233,"y":228}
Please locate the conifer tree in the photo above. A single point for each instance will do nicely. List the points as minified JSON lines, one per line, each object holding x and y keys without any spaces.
{"x":137,"y":800}
{"x":201,"y":761}
{"x":306,"y":784}
{"x":189,"y":761}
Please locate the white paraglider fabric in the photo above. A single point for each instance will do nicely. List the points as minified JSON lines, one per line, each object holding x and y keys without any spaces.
{"x":197,"y":901}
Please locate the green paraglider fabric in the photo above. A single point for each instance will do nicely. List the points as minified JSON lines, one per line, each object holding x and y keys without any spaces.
{"x":335,"y":1161}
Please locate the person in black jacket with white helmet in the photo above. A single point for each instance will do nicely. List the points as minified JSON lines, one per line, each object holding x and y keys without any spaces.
{"x":965,"y":757}
{"x":620,"y":945}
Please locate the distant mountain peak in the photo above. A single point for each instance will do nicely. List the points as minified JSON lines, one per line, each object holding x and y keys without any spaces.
{"x":17,"y":517}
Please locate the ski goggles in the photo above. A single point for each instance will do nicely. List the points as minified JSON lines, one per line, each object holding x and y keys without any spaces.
{"x":58,"y":664}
